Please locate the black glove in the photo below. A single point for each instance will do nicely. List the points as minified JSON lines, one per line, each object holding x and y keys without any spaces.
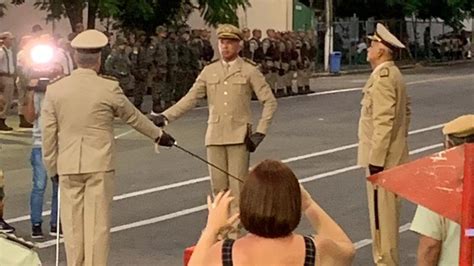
{"x":373,"y":169}
{"x":166,"y":140}
{"x":254,"y":140}
{"x":159,"y":120}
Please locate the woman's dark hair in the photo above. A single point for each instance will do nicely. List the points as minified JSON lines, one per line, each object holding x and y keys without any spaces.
{"x":270,"y":201}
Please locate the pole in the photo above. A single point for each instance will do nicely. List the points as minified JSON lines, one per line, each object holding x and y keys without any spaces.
{"x":467,"y":213}
{"x":328,"y":40}
{"x":58,"y":226}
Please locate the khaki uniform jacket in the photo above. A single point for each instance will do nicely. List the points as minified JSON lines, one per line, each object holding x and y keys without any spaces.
{"x":77,"y":123}
{"x":229,"y":98}
{"x":384,"y":118}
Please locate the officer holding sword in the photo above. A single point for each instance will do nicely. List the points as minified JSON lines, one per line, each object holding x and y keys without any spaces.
{"x":228,"y":84}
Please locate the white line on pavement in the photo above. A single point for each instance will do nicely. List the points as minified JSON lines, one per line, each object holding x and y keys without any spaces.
{"x":206,"y":178}
{"x":408,"y":83}
{"x":196,"y":209}
{"x":367,"y":242}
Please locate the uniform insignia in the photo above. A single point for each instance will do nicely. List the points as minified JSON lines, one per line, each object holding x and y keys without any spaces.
{"x":109,"y":77}
{"x":250,"y":61}
{"x":384,"y":73}
{"x":213,"y":61}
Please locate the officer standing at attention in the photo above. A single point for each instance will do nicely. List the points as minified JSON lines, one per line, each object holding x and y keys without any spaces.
{"x":228,"y":84}
{"x":383,"y":132}
{"x":79,"y":145}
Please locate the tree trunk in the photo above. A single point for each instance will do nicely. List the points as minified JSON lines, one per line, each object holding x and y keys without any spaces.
{"x":92,"y":7}
{"x":74,"y":11}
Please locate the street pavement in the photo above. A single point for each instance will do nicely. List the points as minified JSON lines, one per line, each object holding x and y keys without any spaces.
{"x":158,"y":209}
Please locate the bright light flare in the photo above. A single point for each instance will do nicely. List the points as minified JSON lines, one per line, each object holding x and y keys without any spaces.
{"x":42,"y":54}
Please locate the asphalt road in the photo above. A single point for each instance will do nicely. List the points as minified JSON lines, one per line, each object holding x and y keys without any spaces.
{"x":159,"y":203}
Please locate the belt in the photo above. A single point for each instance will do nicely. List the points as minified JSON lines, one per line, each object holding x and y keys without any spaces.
{"x":5,"y":75}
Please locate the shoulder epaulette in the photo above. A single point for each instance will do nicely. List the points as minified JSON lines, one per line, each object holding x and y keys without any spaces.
{"x":384,"y":72}
{"x":213,"y":61}
{"x":56,"y":79}
{"x":109,"y":77}
{"x":250,"y":61}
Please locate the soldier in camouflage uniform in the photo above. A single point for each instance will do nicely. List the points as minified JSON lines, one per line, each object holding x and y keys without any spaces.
{"x":271,"y":57}
{"x":185,"y":55}
{"x":119,"y":66}
{"x":140,"y":68}
{"x":173,"y":59}
{"x":245,"y":52}
{"x":256,"y":47}
{"x":282,"y":64}
{"x":160,"y":60}
{"x":208,"y":51}
{"x":197,"y":47}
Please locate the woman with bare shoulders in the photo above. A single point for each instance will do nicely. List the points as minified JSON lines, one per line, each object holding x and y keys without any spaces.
{"x":271,"y":204}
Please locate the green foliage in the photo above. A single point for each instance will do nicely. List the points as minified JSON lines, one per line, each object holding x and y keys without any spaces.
{"x":140,"y":14}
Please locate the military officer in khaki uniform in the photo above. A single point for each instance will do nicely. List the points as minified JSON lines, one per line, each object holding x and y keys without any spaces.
{"x":383,"y":131}
{"x":79,"y":145}
{"x":228,"y":84}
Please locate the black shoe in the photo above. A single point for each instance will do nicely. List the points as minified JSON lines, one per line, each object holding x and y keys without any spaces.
{"x":24,"y":123}
{"x":307,"y":90}
{"x":300,"y":90}
{"x":6,"y":228}
{"x":37,"y":232}
{"x":54,"y":231}
{"x":3,"y":126}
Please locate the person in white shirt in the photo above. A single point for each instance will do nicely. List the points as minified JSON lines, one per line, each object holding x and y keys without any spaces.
{"x":7,"y":71}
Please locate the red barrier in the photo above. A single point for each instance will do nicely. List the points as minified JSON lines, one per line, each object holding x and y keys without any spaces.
{"x":442,"y":182}
{"x":187,"y":255}
{"x":467,"y":221}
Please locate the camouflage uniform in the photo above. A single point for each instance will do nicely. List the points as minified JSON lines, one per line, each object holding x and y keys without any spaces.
{"x":173,"y":59}
{"x":140,"y":68}
{"x":119,"y":66}
{"x":186,"y":57}
{"x":208,"y":51}
{"x":160,"y":60}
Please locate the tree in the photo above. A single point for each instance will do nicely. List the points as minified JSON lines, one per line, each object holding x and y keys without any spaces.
{"x":139,"y":14}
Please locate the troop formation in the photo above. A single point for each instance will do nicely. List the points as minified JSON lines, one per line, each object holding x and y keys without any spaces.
{"x":285,"y":58}
{"x":168,"y":62}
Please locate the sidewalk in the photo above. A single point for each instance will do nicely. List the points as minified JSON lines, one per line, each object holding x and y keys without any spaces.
{"x":367,"y":69}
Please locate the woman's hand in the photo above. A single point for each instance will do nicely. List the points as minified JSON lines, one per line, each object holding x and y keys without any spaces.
{"x":218,"y":217}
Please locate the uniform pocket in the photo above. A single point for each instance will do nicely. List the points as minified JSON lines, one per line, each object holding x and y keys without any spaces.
{"x":213,"y":119}
{"x":240,"y":85}
{"x":366,"y":105}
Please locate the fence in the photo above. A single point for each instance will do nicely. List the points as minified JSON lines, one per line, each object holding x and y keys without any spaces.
{"x":425,"y":41}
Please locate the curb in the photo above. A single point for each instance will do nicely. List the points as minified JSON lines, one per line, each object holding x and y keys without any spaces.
{"x":407,"y":66}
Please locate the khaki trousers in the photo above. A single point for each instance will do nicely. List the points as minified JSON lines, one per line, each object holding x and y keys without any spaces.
{"x":85,"y":217}
{"x":386,"y":238}
{"x":7,"y":88}
{"x":235,"y":160}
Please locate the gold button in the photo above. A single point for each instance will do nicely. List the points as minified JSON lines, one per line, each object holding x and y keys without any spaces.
{"x":225,"y":82}
{"x":225,"y":93}
{"x":225,"y":104}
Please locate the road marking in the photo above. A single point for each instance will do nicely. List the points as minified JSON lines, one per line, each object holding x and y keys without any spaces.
{"x":206,"y":178}
{"x":367,"y":242}
{"x":408,"y":83}
{"x":200,"y":208}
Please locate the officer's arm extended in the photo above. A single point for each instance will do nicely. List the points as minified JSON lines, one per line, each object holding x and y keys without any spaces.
{"x":198,"y":91}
